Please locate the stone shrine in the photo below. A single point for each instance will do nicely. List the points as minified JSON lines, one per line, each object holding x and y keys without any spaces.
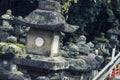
{"x":113,"y":36}
{"x":46,"y":23}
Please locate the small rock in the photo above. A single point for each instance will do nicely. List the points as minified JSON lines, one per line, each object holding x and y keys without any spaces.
{"x":15,"y":77}
{"x":78,"y":65}
{"x":12,"y":39}
{"x":73,"y":47}
{"x":42,"y":78}
{"x":70,"y":28}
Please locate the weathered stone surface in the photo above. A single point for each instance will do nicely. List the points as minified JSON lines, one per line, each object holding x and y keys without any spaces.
{"x":46,"y":17}
{"x":86,"y":63}
{"x":81,"y":40}
{"x":7,"y":75}
{"x":114,"y":31}
{"x":15,"y":77}
{"x":70,"y":28}
{"x":78,"y":65}
{"x":4,"y":35}
{"x":12,"y":39}
{"x":11,"y":48}
{"x":84,"y":49}
{"x":80,"y":46}
{"x":82,"y":63}
{"x":50,"y":5}
{"x":54,"y":27}
{"x":43,"y":50}
{"x":73,"y":47}
{"x":42,"y":17}
{"x":45,"y":63}
{"x":42,"y":78}
{"x":18,"y":30}
{"x":3,"y":76}
{"x":90,"y":44}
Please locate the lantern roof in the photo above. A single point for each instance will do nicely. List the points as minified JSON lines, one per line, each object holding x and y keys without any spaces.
{"x":47,"y":16}
{"x":114,"y":30}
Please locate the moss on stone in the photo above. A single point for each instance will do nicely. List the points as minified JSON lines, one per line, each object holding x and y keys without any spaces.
{"x":14,"y":48}
{"x":104,"y":40}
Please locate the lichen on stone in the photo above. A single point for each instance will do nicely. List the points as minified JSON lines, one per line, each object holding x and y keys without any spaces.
{"x":12,"y":48}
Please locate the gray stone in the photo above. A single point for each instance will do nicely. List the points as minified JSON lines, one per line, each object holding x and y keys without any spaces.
{"x":22,"y":40}
{"x":90,"y":44}
{"x":82,"y":40}
{"x":45,"y":17}
{"x":18,"y":30}
{"x":93,"y":60}
{"x":99,"y":59}
{"x":50,"y":5}
{"x":86,"y":63}
{"x":42,"y":78}
{"x":7,"y":15}
{"x":84,"y":49}
{"x":4,"y":36}
{"x":115,"y":31}
{"x":63,"y":53}
{"x":73,"y":47}
{"x":54,"y":27}
{"x":12,"y":39}
{"x":5,"y":49}
{"x":27,"y":77}
{"x":15,"y":77}
{"x":70,"y":28}
{"x":43,"y":50}
{"x":54,"y":63}
{"x":78,"y":65}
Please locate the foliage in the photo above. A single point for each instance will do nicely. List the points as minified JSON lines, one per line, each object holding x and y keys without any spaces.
{"x":93,"y":16}
{"x":82,"y":12}
{"x":66,"y":6}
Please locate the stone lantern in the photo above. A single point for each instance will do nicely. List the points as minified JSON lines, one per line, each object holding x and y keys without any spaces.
{"x":102,"y":44}
{"x":101,"y":41}
{"x":46,"y":24}
{"x":113,"y":36}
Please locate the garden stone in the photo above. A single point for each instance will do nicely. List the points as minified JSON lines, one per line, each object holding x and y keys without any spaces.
{"x":73,"y":47}
{"x":11,"y":39}
{"x":18,"y":28}
{"x":70,"y":28}
{"x":5,"y":23}
{"x":42,"y":78}
{"x":82,"y":40}
{"x":4,"y":36}
{"x":90,"y":44}
{"x":15,"y":77}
